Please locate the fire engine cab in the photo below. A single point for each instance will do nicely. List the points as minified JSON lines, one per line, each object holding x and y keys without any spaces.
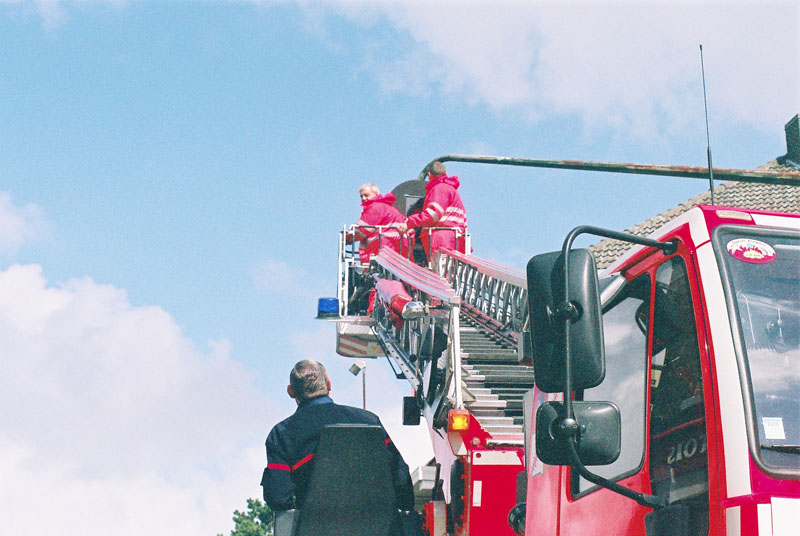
{"x":667,"y":397}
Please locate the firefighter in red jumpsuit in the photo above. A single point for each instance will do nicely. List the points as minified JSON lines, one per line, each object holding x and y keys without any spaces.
{"x":377,"y":210}
{"x":443,"y":208}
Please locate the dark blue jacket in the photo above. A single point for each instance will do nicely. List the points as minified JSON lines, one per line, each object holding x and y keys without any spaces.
{"x":291,"y":445}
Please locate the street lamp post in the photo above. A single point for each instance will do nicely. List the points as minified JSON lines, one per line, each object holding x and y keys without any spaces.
{"x":355,"y":368}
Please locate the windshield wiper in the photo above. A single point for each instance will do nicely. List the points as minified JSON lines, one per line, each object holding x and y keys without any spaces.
{"x":792,"y":449}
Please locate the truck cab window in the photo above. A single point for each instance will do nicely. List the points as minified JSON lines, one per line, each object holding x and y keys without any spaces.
{"x":625,"y":382}
{"x":678,"y":449}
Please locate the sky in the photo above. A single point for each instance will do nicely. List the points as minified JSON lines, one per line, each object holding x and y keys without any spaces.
{"x":173,"y":176}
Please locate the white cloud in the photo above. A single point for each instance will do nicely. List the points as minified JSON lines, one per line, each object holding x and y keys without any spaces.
{"x":635,"y":63}
{"x":51,"y":12}
{"x":316,"y":343}
{"x":115,"y":419}
{"x":54,"y":13}
{"x":276,"y":276}
{"x":18,"y":225}
{"x":631,"y":65}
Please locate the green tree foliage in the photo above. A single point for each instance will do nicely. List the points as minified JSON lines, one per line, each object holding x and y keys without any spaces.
{"x":256,"y":521}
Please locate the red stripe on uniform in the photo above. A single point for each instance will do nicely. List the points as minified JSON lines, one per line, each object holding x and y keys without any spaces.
{"x":278,"y":466}
{"x":301,"y":462}
{"x":387,"y":441}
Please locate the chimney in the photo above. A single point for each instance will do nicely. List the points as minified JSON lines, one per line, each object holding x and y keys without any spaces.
{"x":792,"y":129}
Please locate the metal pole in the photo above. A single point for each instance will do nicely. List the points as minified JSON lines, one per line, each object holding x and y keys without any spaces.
{"x":741,"y":175}
{"x":708,"y":136}
{"x":364,"y":387}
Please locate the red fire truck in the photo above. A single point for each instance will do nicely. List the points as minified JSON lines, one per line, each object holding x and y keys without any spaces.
{"x":678,"y":411}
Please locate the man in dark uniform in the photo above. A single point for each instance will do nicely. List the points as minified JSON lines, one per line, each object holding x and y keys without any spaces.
{"x":292,"y":442}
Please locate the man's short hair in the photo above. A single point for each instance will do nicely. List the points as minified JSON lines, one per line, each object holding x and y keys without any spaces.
{"x":437,"y":168}
{"x":308,"y":379}
{"x":369,"y":186}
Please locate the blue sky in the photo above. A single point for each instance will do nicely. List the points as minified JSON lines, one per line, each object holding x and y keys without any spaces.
{"x":173,"y":174}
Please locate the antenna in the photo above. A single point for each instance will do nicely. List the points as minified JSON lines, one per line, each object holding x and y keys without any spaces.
{"x":708,"y":136}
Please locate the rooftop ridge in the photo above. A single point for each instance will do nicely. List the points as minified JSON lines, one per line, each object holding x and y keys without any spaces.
{"x":774,"y":198}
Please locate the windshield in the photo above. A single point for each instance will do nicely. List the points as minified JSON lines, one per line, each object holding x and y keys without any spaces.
{"x":763,"y":268}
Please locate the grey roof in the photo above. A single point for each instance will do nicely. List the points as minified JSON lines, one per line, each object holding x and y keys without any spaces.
{"x":777,"y":198}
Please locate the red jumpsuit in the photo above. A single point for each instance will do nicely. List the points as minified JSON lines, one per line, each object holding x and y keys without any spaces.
{"x":443,"y":208}
{"x":379,"y":211}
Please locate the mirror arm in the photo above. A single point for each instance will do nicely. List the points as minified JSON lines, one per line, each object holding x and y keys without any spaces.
{"x":650,"y":501}
{"x":668,"y":248}
{"x":568,"y":428}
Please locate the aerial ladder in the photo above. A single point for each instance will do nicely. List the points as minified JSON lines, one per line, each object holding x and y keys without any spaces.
{"x":458,"y":350}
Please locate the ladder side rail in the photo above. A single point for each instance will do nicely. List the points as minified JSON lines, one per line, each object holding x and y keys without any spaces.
{"x":480,"y":298}
{"x":475,"y":277}
{"x":484,"y":269}
{"x":485,"y":288}
{"x":414,"y":272}
{"x":462,"y":277}
{"x":507,"y":273}
{"x":390,"y":257}
{"x":488,"y":294}
{"x":503,"y":313}
{"x":459,"y":274}
{"x":511,"y":303}
{"x":501,"y":289}
{"x":455,"y":274}
{"x":416,"y":276}
{"x":496,"y":298}
{"x":471,"y":283}
{"x":481,"y":301}
{"x":494,"y":290}
{"x":499,"y":306}
{"x":518,"y":309}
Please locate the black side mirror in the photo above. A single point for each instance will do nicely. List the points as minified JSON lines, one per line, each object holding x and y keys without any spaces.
{"x":546,"y":300}
{"x":567,"y":340}
{"x":411,"y":411}
{"x":598,"y":440}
